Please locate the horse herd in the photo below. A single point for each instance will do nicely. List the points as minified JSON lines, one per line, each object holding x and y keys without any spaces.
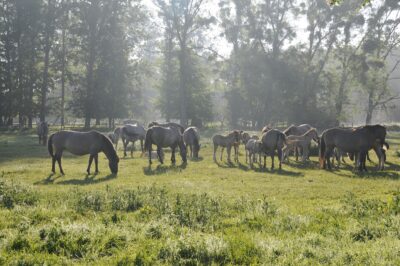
{"x":334,"y":143}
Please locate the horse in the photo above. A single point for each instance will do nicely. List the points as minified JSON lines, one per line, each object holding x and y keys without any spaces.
{"x":191,"y":138}
{"x":82,"y":143}
{"x":165,"y":137}
{"x":169,"y":124}
{"x":273,"y":140}
{"x":42,"y":132}
{"x":252,"y":148}
{"x":132,"y":133}
{"x":297,"y":131}
{"x":265,"y":129}
{"x":245,"y":137}
{"x":227,"y":142}
{"x":357,"y":141}
{"x":302,"y":141}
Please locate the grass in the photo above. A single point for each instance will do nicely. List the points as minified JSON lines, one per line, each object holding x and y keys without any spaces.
{"x":201,"y":213}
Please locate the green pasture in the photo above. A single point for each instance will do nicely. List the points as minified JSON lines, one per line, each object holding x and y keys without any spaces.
{"x":201,"y":213}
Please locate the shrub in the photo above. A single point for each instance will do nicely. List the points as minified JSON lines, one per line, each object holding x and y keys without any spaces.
{"x":89,"y":201}
{"x":16,"y":194}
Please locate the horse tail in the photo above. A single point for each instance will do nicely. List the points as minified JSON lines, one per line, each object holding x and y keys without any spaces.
{"x":147,"y":141}
{"x":50,"y":146}
{"x":386,"y":145}
{"x":322,"y":148}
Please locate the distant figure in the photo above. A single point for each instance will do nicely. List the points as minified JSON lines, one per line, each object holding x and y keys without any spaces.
{"x":43,"y":131}
{"x":191,"y":138}
{"x":81,"y":143}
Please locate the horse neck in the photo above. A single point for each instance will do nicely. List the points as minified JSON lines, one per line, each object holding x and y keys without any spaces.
{"x":108,"y":149}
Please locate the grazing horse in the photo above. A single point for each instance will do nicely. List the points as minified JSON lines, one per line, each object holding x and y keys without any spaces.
{"x":225,"y":142}
{"x":273,"y":140}
{"x":165,"y":137}
{"x":169,"y":124}
{"x":81,"y":143}
{"x":302,"y":141}
{"x":191,"y":138}
{"x":132,"y":133}
{"x":357,"y":141}
{"x":42,"y":131}
{"x":253,"y":147}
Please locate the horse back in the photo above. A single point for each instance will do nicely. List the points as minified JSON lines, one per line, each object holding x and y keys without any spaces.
{"x":78,"y":143}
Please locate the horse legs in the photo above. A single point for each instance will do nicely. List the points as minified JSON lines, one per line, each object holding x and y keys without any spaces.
{"x":228,"y":150}
{"x":53,"y":163}
{"x":159,"y":153}
{"x":296,"y":152}
{"x":191,"y":150}
{"x":265,"y":160}
{"x":133,"y":146}
{"x":328,"y":154}
{"x":58,"y":158}
{"x":215,"y":151}
{"x":141,"y":145}
{"x":222,"y":151}
{"x":272,"y":158}
{"x":150,"y":150}
{"x":90,"y":163}
{"x":96,"y":162}
{"x":280,"y":158}
{"x":125,"y":143}
{"x":173,"y":155}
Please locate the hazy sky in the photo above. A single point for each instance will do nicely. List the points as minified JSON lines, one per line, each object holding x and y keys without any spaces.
{"x":219,"y":43}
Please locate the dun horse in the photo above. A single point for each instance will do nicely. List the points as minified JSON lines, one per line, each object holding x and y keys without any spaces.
{"x":297,"y":131}
{"x":302,"y":142}
{"x":358,"y":142}
{"x":273,"y":140}
{"x":169,"y":124}
{"x":191,"y":138}
{"x":225,"y":142}
{"x":165,"y":137}
{"x":43,"y":131}
{"x":82,"y":143}
{"x":132,"y":133}
{"x":253,"y":147}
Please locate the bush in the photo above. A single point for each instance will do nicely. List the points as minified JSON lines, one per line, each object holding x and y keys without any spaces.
{"x":16,"y":194}
{"x":89,"y":201}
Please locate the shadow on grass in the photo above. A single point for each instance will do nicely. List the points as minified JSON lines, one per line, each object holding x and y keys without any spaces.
{"x":162,"y":169}
{"x":278,"y":171}
{"x":225,"y":164}
{"x":196,"y":159}
{"x":89,"y":180}
{"x":48,"y":180}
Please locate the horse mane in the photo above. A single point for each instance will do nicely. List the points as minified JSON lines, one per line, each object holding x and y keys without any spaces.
{"x":109,"y":147}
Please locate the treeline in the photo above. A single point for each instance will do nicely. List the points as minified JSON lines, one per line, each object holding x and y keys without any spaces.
{"x":49,"y":47}
{"x":290,"y":61}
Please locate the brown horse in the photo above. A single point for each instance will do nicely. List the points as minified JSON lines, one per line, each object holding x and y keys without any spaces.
{"x":165,"y":137}
{"x":357,"y":141}
{"x":297,"y":131}
{"x":82,"y":143}
{"x":42,"y":132}
{"x":273,"y":140}
{"x":302,"y":142}
{"x":225,"y":142}
{"x":132,"y":133}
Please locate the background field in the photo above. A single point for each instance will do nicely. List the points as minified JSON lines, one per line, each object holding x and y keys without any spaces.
{"x":202,"y":213}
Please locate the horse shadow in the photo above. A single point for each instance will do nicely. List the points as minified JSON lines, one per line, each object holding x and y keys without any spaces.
{"x":225,"y":164}
{"x":378,"y":175}
{"x":196,"y":159}
{"x":48,"y":180}
{"x":278,"y":172}
{"x":162,"y":169}
{"x":89,"y":180}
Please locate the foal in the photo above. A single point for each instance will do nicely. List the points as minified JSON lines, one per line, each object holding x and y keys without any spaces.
{"x":225,"y":142}
{"x":303,"y":141}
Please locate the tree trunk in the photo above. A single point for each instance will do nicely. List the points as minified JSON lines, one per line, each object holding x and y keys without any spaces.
{"x":63,"y":54}
{"x":47,"y":47}
{"x":370,"y":108}
{"x":183,"y":85}
{"x":341,"y":95}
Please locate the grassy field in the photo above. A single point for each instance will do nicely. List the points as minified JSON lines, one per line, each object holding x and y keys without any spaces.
{"x":202,"y":213}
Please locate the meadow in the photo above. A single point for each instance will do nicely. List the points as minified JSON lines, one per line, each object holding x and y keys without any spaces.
{"x":201,"y":213}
